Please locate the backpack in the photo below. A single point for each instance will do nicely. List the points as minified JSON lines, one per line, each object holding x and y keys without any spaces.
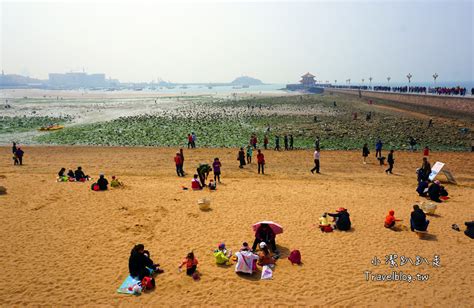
{"x":148,"y":283}
{"x":295,"y":257}
{"x":95,"y":187}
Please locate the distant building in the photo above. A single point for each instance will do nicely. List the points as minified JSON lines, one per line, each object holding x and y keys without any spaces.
{"x":308,"y":80}
{"x":307,"y":84}
{"x":77,"y":80}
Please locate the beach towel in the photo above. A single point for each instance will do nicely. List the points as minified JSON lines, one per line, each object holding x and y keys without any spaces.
{"x":127,"y":286}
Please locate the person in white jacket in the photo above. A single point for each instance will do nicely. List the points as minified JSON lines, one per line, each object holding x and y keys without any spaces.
{"x":246,"y":260}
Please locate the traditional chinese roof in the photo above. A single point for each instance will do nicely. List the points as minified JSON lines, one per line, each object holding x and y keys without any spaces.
{"x":307,"y":75}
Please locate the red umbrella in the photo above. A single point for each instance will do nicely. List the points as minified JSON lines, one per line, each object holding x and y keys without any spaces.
{"x":277,"y":229}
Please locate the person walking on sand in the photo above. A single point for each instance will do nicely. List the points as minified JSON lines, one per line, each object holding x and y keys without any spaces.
{"x":277,"y":143}
{"x":316,"y":143}
{"x":193,"y":135}
{"x":14,"y":148}
{"x":249,"y":154}
{"x":179,"y":164}
{"x":390,"y":161}
{"x":190,"y":141}
{"x":291,"y":142}
{"x":241,"y":158}
{"x":181,"y":153}
{"x":316,"y":161}
{"x":265,"y":142}
{"x":19,"y":155}
{"x":216,"y":166}
{"x":261,"y":161}
{"x":285,"y":141}
{"x":365,"y":152}
{"x":378,"y":148}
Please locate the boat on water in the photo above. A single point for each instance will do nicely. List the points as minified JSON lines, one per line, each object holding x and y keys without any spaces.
{"x":50,"y":127}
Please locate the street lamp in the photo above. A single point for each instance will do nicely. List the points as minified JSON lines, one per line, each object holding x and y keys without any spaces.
{"x":409,"y":76}
{"x":435,"y":76}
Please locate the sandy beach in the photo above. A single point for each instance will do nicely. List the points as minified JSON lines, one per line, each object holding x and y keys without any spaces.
{"x":64,"y":245}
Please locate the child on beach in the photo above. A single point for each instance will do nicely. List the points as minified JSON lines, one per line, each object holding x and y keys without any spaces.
{"x":222,"y":255}
{"x":115,"y":183}
{"x":212,"y":185}
{"x":365,"y":152}
{"x":195,"y":184}
{"x":241,"y":158}
{"x":249,"y":154}
{"x":61,"y":176}
{"x":216,"y":166}
{"x":390,"y":220}
{"x":246,"y":260}
{"x":265,"y":256}
{"x":191,"y":263}
{"x":261,"y":162}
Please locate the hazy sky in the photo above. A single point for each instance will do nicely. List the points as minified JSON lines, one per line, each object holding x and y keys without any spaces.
{"x":218,"y":41}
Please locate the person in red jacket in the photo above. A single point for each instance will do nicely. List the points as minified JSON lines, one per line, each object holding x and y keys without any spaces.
{"x":179,"y":164}
{"x":265,"y":142}
{"x":426,"y":151}
{"x":260,"y":161}
{"x":390,"y":220}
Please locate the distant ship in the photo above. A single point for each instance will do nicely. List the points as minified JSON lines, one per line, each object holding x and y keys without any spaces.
{"x":245,"y":86}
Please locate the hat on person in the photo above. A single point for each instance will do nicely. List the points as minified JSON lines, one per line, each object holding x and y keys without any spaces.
{"x":101,"y":174}
{"x":221,"y":246}
{"x":341,"y":209}
{"x":262,"y":245}
{"x":391,"y":212}
{"x":245,"y":246}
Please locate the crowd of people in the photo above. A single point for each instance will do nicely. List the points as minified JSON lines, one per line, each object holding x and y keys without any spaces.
{"x":458,"y":90}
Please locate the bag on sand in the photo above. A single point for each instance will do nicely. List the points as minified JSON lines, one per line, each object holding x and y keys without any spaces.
{"x":295,"y":257}
{"x":148,"y":283}
{"x":95,"y":187}
{"x":267,"y":273}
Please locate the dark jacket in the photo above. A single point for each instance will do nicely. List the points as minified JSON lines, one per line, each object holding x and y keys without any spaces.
{"x":470,"y":229}
{"x":19,"y":152}
{"x":434,"y":192}
{"x":418,"y":218}
{"x":390,"y":159}
{"x":79,"y":174}
{"x":138,"y":263}
{"x":343,"y":221}
{"x":265,"y":235}
{"x":365,"y":151}
{"x":422,"y":185}
{"x":102,"y":182}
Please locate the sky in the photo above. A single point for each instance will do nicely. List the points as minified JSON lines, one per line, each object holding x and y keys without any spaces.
{"x":217,"y":41}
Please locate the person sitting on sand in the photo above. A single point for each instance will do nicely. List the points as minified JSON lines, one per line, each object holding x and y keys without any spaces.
{"x":469,"y":229}
{"x":195,"y":184}
{"x":70,"y":175}
{"x":265,"y":256}
{"x":140,"y":265}
{"x":422,"y":188}
{"x":102,"y":182}
{"x":246,"y":260}
{"x":191,"y":263}
{"x":222,"y":255}
{"x":241,"y":158}
{"x":434,"y":191}
{"x":115,"y":183}
{"x":212,"y":185}
{"x":80,"y":176}
{"x":265,"y":234}
{"x":324,"y":223}
{"x":62,"y":177}
{"x":343,"y":222}
{"x":418,"y":219}
{"x":390,"y":220}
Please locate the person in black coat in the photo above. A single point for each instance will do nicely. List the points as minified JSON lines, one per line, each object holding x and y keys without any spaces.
{"x":422,"y":185}
{"x":434,"y":191}
{"x":470,"y":229}
{"x":365,"y":152}
{"x":79,"y":174}
{"x":418,"y":219}
{"x":140,"y":264}
{"x":241,"y":158}
{"x":343,"y":222}
{"x":390,"y":161}
{"x":102,"y":182}
{"x":265,"y":234}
